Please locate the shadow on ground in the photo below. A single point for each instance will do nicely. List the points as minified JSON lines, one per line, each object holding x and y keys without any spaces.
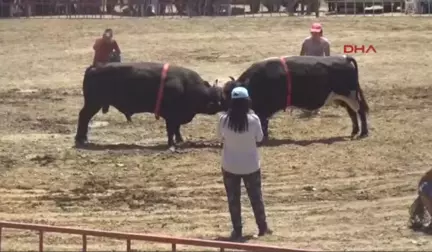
{"x":203,"y":145}
{"x":242,"y":240}
{"x":121,"y":146}
{"x":278,"y":142}
{"x":156,"y":147}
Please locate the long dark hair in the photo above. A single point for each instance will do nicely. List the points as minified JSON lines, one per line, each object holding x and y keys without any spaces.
{"x":237,"y":115}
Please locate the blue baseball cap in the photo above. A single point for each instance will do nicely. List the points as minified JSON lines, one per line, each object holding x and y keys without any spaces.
{"x":239,"y":92}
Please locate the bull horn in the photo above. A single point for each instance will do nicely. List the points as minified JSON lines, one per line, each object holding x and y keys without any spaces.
{"x":215,"y":83}
{"x":232,"y":78}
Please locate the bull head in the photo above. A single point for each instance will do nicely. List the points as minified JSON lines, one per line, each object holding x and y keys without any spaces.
{"x":215,"y":99}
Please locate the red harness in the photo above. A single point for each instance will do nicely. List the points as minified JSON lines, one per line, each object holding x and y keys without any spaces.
{"x":288,"y":81}
{"x":161,"y":90}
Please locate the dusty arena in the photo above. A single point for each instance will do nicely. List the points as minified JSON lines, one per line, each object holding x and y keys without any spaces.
{"x":321,"y":190}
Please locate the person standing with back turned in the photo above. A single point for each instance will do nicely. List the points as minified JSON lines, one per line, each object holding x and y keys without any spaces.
{"x":240,"y":130}
{"x":315,"y":45}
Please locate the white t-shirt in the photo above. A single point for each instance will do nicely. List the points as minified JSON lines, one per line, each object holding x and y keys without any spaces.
{"x":316,"y":48}
{"x":240,"y":152}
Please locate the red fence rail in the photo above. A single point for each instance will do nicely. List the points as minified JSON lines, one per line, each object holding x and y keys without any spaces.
{"x":128,"y":237}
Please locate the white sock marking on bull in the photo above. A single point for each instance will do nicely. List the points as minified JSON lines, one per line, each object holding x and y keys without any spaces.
{"x":351,"y":100}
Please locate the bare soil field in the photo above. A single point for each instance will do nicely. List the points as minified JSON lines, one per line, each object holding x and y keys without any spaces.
{"x":321,"y":190}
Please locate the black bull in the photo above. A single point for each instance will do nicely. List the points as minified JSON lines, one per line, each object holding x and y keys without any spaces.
{"x":134,"y":87}
{"x":313,"y":81}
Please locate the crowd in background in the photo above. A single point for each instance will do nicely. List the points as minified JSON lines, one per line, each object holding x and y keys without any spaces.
{"x":10,"y":8}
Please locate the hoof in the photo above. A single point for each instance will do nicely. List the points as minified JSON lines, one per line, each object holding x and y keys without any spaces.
{"x":416,"y":226}
{"x":354,"y":132}
{"x":363,"y":135}
{"x":81,"y":143}
{"x":172,"y":149}
{"x":264,"y":141}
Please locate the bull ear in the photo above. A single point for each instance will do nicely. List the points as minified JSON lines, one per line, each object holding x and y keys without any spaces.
{"x":215,"y":83}
{"x":207,"y":84}
{"x":232,"y":78}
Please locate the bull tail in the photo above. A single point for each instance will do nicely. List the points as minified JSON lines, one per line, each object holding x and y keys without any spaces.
{"x":363,"y":102}
{"x":360,"y":95}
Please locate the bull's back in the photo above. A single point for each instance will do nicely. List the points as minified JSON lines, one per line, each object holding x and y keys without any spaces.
{"x":297,"y":65}
{"x":329,"y":61}
{"x":142,"y":75}
{"x":136,"y":85}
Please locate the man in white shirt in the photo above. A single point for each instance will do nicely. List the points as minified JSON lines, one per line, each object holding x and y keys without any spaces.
{"x":315,"y":45}
{"x":240,"y":130}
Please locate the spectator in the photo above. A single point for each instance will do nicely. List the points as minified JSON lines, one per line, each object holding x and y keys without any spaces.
{"x":315,"y":45}
{"x":240,"y":130}
{"x":423,"y":200}
{"x":106,"y":49}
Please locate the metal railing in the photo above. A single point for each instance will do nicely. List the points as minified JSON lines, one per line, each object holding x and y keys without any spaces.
{"x":193,"y":8}
{"x":128,"y":237}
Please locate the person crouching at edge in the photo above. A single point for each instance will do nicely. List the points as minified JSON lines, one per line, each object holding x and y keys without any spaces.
{"x":421,"y":203}
{"x":239,"y":130}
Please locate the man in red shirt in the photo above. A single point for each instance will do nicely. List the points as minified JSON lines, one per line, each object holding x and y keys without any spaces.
{"x":104,"y":48}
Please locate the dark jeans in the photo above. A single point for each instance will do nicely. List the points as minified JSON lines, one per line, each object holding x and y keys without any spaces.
{"x":253,"y":187}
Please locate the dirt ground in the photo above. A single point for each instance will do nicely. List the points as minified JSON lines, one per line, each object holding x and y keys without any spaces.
{"x":321,"y":190}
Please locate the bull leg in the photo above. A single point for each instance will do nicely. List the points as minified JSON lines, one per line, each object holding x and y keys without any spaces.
{"x":363,"y":121}
{"x":178,"y":136}
{"x":171,"y":129}
{"x":353,"y":115}
{"x":85,"y":115}
{"x":264,"y":125}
